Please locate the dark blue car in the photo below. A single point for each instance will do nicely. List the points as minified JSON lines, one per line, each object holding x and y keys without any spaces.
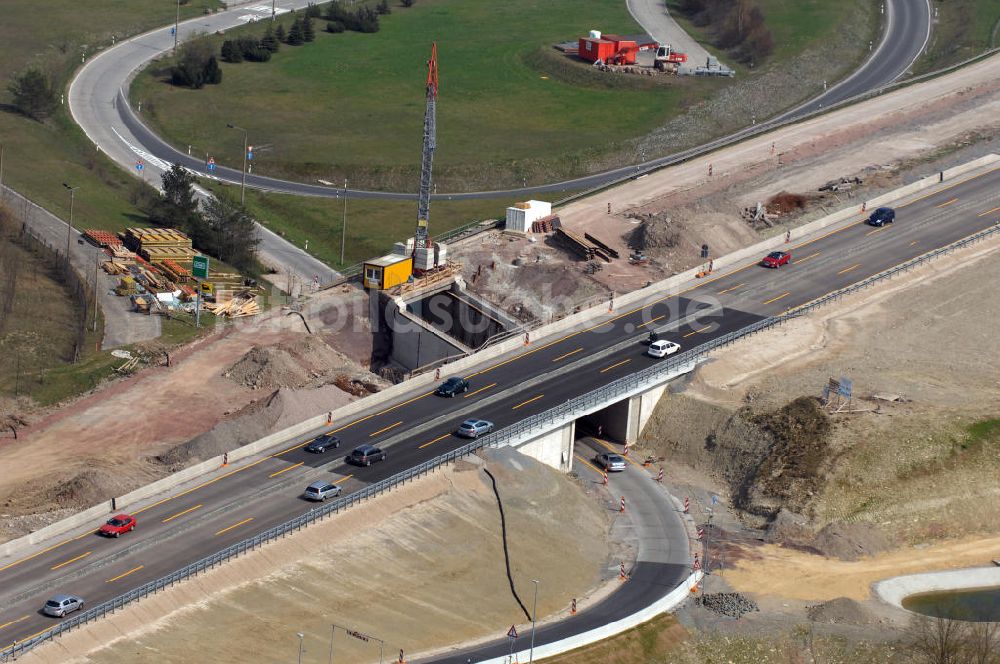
{"x":882,"y":216}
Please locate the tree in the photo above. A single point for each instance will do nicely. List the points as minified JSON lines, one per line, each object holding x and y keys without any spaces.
{"x":34,"y":94}
{"x":270,"y":40}
{"x":177,"y":207}
{"x":383,"y":7}
{"x":231,"y":52}
{"x":229,"y":232}
{"x":295,"y":37}
{"x":312,"y":10}
{"x":196,"y":65}
{"x":407,"y":3}
{"x":308,"y":31}
{"x":279,"y":33}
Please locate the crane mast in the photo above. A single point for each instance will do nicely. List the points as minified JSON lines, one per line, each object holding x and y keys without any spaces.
{"x":421,"y":240}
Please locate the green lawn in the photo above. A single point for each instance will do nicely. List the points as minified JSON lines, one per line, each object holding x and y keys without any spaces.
{"x":963,"y":29}
{"x":372,"y":226}
{"x":353,"y":104}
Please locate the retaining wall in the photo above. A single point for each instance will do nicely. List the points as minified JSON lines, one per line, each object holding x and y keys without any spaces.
{"x":896,"y":589}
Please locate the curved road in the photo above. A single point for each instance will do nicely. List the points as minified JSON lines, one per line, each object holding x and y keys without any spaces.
{"x":252,"y":496}
{"x":98,"y":104}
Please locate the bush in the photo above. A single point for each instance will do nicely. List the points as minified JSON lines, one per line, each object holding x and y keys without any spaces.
{"x":34,"y":94}
{"x":335,"y":27}
{"x":312,"y":10}
{"x":382,"y":8}
{"x":407,"y":3}
{"x":196,"y":66}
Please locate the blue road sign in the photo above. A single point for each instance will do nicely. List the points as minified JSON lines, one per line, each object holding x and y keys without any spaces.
{"x":250,"y":153}
{"x":139,"y":166}
{"x":211,"y":163}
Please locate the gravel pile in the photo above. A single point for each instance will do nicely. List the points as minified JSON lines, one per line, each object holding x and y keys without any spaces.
{"x":733,"y":605}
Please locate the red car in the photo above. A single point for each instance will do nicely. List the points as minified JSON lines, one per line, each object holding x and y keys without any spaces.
{"x":118,"y":525}
{"x":776,"y":259}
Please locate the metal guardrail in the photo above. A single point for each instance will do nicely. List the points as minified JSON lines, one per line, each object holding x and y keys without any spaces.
{"x":588,"y":402}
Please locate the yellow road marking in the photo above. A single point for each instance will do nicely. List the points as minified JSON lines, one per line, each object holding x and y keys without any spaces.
{"x":391,"y":426}
{"x":122,"y":576}
{"x":572,"y":352}
{"x":803,"y":260}
{"x":72,"y":560}
{"x":431,"y":442}
{"x":731,"y":288}
{"x":651,"y":322}
{"x":848,"y":269}
{"x":472,"y":394}
{"x":612,"y":449}
{"x":13,"y":622}
{"x":914,"y":242}
{"x":285,"y":470}
{"x":235,"y":525}
{"x":983,"y":214}
{"x":190,"y":509}
{"x":587,"y":463}
{"x":615,"y":365}
{"x":28,"y":638}
{"x":775,"y":299}
{"x":877,"y":230}
{"x":344,"y":478}
{"x":947,"y":203}
{"x":512,"y":359}
{"x":525,"y":403}
{"x":704,"y":329}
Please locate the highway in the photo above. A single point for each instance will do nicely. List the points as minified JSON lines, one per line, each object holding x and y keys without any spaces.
{"x":99,"y":106}
{"x":247,"y":499}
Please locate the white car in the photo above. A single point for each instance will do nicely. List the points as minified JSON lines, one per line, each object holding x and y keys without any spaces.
{"x":662,"y":348}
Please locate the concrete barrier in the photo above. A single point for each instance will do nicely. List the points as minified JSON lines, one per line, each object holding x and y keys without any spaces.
{"x":414,"y":386}
{"x":669,"y":602}
{"x":898,"y":588}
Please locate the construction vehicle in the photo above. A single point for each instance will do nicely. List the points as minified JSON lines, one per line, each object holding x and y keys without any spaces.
{"x":627,"y":52}
{"x":423,"y":251}
{"x":667,"y":59}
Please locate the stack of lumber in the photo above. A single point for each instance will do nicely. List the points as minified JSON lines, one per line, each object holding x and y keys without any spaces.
{"x":152,"y":281}
{"x":176,"y":273}
{"x":243,"y":304}
{"x":119,"y":254}
{"x":112,"y":267}
{"x":102,"y":238}
{"x":583,"y":247}
{"x":226,"y":280}
{"x":545,"y":224}
{"x":159,"y":244}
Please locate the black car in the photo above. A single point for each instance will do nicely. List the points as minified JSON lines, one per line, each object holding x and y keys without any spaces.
{"x":366,"y":455}
{"x":881,"y":216}
{"x":452,"y":386}
{"x":325,"y":442}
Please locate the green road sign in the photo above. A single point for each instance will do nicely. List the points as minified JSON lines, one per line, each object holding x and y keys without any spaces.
{"x":199,"y":267}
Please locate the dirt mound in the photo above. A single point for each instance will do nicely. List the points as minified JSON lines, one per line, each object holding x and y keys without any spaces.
{"x":841,"y":611}
{"x":289,"y":364}
{"x":786,"y":203}
{"x":850,"y":541}
{"x":655,"y":232}
{"x":789,"y":527}
{"x":276,"y":411}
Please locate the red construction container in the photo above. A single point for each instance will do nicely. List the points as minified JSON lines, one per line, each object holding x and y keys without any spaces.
{"x":593,"y":50}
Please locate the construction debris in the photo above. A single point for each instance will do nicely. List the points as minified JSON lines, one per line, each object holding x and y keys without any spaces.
{"x":243,"y":304}
{"x":842,"y":184}
{"x":545,"y":224}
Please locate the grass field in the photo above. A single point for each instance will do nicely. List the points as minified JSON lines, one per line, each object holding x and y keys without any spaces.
{"x":352,"y":104}
{"x":963,"y":29}
{"x":372,"y":226}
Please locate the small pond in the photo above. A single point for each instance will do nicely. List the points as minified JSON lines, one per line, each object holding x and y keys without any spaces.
{"x":976,"y":605}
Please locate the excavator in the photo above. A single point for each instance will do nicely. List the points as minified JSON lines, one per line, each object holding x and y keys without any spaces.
{"x":667,"y":59}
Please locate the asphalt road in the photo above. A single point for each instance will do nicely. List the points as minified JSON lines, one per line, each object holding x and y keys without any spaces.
{"x":99,"y":106}
{"x":193,"y":523}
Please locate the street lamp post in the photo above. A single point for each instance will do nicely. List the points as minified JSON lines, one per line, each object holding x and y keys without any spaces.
{"x":243,"y":186}
{"x":343,"y":227}
{"x":177,"y":23}
{"x":69,"y":230}
{"x":534,"y":614}
{"x":301,"y":636}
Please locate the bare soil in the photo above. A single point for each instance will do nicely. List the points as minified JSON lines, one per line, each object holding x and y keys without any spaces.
{"x":420,"y":567}
{"x":884,"y":142}
{"x":209,"y":400}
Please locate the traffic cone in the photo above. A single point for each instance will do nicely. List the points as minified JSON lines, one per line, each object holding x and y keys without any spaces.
{"x":687,"y":504}
{"x":621,"y":510}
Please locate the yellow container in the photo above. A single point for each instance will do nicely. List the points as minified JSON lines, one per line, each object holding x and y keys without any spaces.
{"x":388,"y":271}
